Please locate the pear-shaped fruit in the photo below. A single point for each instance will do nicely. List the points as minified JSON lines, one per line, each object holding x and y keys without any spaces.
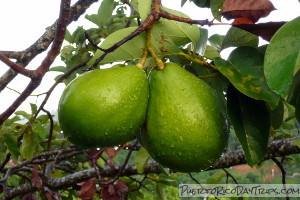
{"x":104,"y":107}
{"x":185,"y":125}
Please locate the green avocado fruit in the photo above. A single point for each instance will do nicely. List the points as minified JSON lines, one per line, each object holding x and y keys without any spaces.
{"x":104,"y":107}
{"x":186,"y":128}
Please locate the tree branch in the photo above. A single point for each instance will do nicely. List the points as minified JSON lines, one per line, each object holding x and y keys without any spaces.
{"x":25,"y":57}
{"x":276,"y":148}
{"x":39,"y":73}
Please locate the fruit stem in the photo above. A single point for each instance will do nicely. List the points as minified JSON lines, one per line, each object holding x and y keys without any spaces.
{"x":142,"y":60}
{"x":160,"y":64}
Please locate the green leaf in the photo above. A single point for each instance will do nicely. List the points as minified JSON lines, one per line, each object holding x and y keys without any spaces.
{"x":251,"y":123}
{"x":245,"y":72}
{"x":277,"y":115}
{"x":33,"y":108}
{"x":297,"y":142}
{"x":216,"y":177}
{"x":183,"y":2}
{"x":23,"y":113}
{"x":133,"y":49}
{"x":295,"y":89}
{"x":297,"y":108}
{"x":104,"y":13}
{"x":78,"y":35}
{"x":282,"y":59}
{"x":2,"y":151}
{"x":30,"y":145}
{"x":201,"y":43}
{"x":141,"y":159}
{"x":10,"y":141}
{"x":9,"y":121}
{"x":144,"y":8}
{"x":211,"y":53}
{"x":58,"y":69}
{"x":180,"y":33}
{"x":39,"y":130}
{"x":68,"y":37}
{"x":216,"y":41}
{"x":216,"y":8}
{"x":236,"y":37}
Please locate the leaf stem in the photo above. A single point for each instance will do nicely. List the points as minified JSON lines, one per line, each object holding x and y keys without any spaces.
{"x":197,"y":60}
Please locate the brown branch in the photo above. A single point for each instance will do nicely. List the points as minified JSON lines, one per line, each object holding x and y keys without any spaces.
{"x":167,"y":15}
{"x":25,"y":57}
{"x":14,"y":66}
{"x":277,"y":148}
{"x":21,"y":98}
{"x":39,"y":73}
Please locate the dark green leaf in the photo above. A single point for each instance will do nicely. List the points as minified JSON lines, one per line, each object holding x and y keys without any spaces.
{"x":236,"y":37}
{"x":297,"y":108}
{"x":10,"y":141}
{"x":216,"y":8}
{"x":183,"y":2}
{"x":58,"y":69}
{"x":216,"y":41}
{"x":282,"y":59}
{"x":141,"y":159}
{"x":277,"y":115}
{"x":33,"y":108}
{"x":2,"y":151}
{"x":201,"y":43}
{"x":251,"y":123}
{"x":245,"y":72}
{"x":295,"y":89}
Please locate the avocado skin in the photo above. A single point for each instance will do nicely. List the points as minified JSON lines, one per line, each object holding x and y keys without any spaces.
{"x":186,"y":128}
{"x":104,"y":107}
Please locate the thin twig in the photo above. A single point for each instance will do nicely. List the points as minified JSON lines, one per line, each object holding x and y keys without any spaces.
{"x":139,"y":182}
{"x":196,"y":181}
{"x":283,"y":174}
{"x":231,"y":176}
{"x":87,"y":36}
{"x":122,"y":168}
